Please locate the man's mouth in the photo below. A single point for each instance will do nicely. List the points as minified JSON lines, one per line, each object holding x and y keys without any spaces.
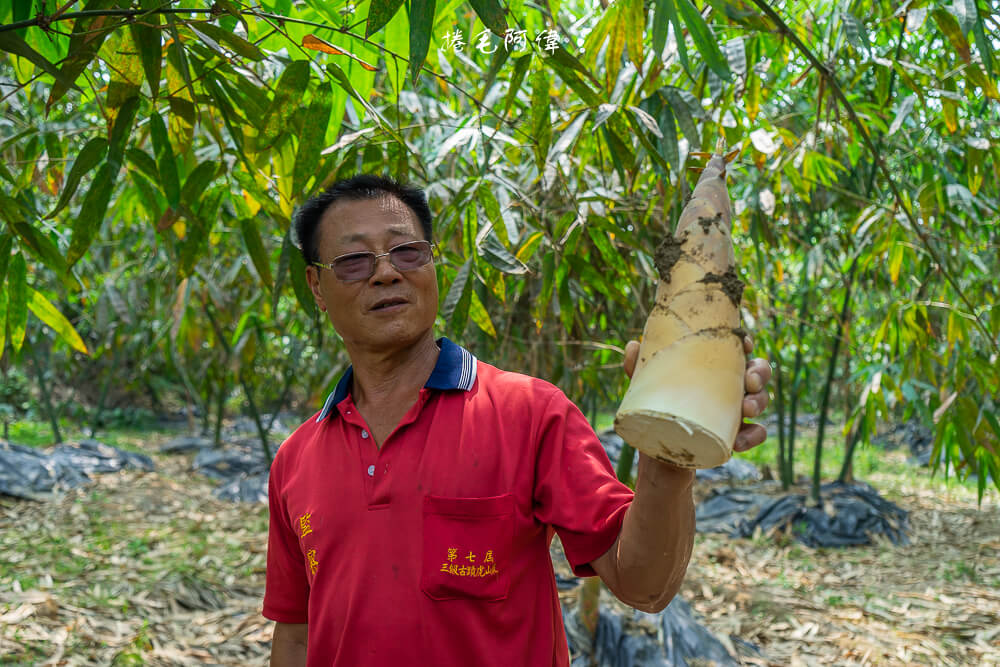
{"x":388,"y":303}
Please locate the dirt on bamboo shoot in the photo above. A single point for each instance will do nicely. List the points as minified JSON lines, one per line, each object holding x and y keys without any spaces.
{"x":684,"y":403}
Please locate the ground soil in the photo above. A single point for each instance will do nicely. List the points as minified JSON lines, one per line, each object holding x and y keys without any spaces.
{"x":150,"y":568}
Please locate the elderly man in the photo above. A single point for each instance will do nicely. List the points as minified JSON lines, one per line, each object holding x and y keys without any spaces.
{"x":411,"y":517}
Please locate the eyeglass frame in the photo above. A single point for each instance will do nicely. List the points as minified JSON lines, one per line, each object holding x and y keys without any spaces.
{"x":376,"y":256}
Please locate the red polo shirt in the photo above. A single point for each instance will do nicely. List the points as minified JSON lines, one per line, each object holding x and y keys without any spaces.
{"x":434,"y":549}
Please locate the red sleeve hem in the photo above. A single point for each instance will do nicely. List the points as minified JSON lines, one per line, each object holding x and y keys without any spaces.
{"x":585,"y":552}
{"x":284,"y":616}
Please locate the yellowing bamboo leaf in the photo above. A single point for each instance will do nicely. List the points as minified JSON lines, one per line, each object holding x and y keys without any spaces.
{"x":50,"y":315}
{"x":779,"y":270}
{"x":317,"y":44}
{"x":479,"y":315}
{"x":895,"y":262}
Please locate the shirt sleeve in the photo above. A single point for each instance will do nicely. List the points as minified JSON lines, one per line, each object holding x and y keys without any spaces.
{"x":576,"y":490}
{"x":286,"y":593}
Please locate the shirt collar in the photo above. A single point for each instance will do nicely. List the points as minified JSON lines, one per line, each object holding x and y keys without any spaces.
{"x":455,"y":369}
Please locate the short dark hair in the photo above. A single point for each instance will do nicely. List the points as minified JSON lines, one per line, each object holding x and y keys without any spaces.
{"x":362,"y":186}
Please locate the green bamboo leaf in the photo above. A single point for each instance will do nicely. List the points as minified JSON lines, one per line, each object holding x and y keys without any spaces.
{"x":379,"y":14}
{"x":41,"y":246}
{"x":84,"y":43}
{"x":491,"y":14}
{"x":857,"y":35}
{"x":661,"y":24}
{"x":284,"y":261}
{"x":121,"y":131}
{"x":470,"y":230}
{"x":497,"y":61}
{"x":680,"y":104}
{"x":903,"y":110}
{"x":479,"y":315}
{"x":17,"y":309}
{"x":297,"y":272}
{"x":197,"y":183}
{"x":165,"y":162}
{"x":146,"y":35}
{"x":141,"y":160}
{"x":312,"y":139}
{"x":499,"y":257}
{"x":421,"y":27}
{"x":541,"y":124}
{"x":288,"y":94}
{"x":3,"y":318}
{"x":47,"y":313}
{"x":530,"y":245}
{"x":604,"y":245}
{"x":455,"y":309}
{"x":255,"y":247}
{"x":236,"y":44}
{"x":670,"y":8}
{"x":6,"y":242}
{"x":516,"y":77}
{"x":89,"y":157}
{"x":616,"y":45}
{"x":492,"y":208}
{"x":12,"y":43}
{"x":578,"y":85}
{"x":92,"y":211}
{"x":704,"y":40}
{"x":986,"y":51}
{"x":567,"y":308}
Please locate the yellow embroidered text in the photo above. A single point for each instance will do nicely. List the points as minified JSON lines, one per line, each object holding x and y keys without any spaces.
{"x":304,"y":527}
{"x":313,"y":563}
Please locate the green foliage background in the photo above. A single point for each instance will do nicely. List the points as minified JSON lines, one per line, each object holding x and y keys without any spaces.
{"x":153,"y":153}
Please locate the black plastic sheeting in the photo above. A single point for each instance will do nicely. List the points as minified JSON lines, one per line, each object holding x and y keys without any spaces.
{"x":629,"y":641}
{"x":33,"y":474}
{"x":242,"y":471}
{"x":184,"y":444}
{"x":913,"y":435}
{"x":850,"y":515}
{"x":733,"y":469}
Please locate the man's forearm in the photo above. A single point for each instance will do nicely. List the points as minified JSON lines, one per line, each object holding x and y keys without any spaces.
{"x":288,"y":645}
{"x":647,"y":563}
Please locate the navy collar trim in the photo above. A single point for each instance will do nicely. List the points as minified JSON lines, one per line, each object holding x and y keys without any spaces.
{"x":455,"y":369}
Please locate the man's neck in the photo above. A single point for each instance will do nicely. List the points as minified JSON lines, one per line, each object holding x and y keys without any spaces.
{"x":384,"y":377}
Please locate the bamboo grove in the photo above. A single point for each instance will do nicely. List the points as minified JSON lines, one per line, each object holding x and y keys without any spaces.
{"x":153,"y":154}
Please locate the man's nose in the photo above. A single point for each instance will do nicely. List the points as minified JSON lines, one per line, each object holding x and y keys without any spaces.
{"x":385,"y":270}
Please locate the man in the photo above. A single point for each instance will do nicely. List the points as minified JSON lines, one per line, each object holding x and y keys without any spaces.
{"x":411,"y":517}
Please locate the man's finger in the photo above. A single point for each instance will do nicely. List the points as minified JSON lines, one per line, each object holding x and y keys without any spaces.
{"x":747,"y":344}
{"x":749,"y":436}
{"x":631,"y":356}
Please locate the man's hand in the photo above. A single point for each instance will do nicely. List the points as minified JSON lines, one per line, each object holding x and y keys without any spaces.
{"x":755,"y":399}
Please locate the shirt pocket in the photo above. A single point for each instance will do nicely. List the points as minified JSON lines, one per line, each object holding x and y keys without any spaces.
{"x":467,"y":547}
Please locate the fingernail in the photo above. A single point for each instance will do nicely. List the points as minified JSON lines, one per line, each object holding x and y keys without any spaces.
{"x":754,"y":383}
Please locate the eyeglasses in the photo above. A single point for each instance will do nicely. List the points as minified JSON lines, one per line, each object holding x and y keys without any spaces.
{"x":356,"y":266}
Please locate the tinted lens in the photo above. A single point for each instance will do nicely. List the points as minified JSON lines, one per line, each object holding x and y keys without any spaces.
{"x":354,"y":267}
{"x":410,"y":255}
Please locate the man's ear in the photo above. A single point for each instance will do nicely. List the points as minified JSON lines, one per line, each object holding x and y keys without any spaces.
{"x":312,"y":277}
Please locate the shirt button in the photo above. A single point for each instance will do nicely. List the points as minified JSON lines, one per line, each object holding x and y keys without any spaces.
{"x":371,"y":471}
{"x":364,"y":434}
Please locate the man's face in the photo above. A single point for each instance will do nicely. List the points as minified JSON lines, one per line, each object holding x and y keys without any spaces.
{"x":391,"y":309}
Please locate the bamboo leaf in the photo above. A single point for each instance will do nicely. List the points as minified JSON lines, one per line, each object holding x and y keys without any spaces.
{"x":541,"y":125}
{"x":297,"y":272}
{"x":92,"y":211}
{"x":165,"y":162}
{"x":455,"y":309}
{"x":125,"y":65}
{"x":237,"y":44}
{"x":147,"y":39}
{"x":479,"y":315}
{"x":635,"y":24}
{"x":47,"y":313}
{"x":421,"y":27}
{"x":85,"y":41}
{"x":949,"y":27}
{"x":491,"y":14}
{"x":647,"y":121}
{"x":255,"y":247}
{"x":528,"y":248}
{"x":41,"y":246}
{"x":89,"y":157}
{"x":284,"y":261}
{"x":197,"y":183}
{"x":3,"y":318}
{"x":312,"y":139}
{"x":857,"y":35}
{"x":492,"y":208}
{"x":499,"y":257}
{"x":12,"y":43}
{"x":736,"y":56}
{"x":561,"y":64}
{"x":661,"y":25}
{"x":17,"y":308}
{"x":965,"y":14}
{"x":6,"y":242}
{"x":670,"y":8}
{"x":704,"y":40}
{"x":680,"y":102}
{"x":316,"y":44}
{"x":121,"y":131}
{"x":379,"y":14}
{"x":288,"y":94}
